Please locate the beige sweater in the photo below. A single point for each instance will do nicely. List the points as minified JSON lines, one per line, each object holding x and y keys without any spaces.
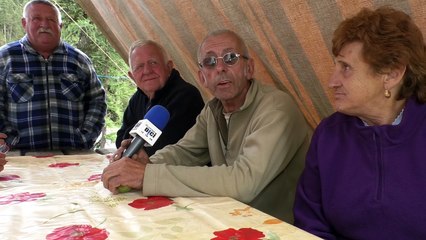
{"x":260,"y":164}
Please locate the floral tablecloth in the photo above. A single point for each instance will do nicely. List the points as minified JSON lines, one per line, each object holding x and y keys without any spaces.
{"x":61,"y":197}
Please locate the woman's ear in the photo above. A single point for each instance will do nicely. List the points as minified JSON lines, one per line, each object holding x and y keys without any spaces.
{"x":395,"y":76}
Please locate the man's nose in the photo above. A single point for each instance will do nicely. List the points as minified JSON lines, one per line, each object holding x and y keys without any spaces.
{"x":147,"y":68}
{"x":44,"y":22}
{"x":220,"y":65}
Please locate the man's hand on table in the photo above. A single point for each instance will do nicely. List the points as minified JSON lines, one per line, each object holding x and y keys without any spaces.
{"x":123,"y":172}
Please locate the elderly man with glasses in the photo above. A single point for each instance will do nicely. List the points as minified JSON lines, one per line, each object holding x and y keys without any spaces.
{"x":254,"y":136}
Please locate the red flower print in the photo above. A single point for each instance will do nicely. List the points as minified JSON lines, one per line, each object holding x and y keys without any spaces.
{"x":62,"y":165}
{"x":95,"y":177}
{"x":20,"y":197}
{"x":78,"y":232}
{"x":8,"y":177}
{"x":240,"y":234}
{"x":151,"y":203}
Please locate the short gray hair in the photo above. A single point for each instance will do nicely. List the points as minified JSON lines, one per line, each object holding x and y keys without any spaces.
{"x":45,"y":2}
{"x":140,"y":43}
{"x":240,"y":41}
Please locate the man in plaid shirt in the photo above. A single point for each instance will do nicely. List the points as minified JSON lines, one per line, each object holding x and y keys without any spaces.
{"x":50,"y":96}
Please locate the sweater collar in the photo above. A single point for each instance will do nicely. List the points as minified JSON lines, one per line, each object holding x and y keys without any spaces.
{"x":26,"y":45}
{"x":414,"y":116}
{"x":217,"y":109}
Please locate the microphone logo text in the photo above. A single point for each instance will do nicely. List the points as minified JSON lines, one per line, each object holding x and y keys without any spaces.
{"x":149,"y":132}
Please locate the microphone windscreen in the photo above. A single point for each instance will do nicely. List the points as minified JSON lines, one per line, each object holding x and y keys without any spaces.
{"x":158,"y":115}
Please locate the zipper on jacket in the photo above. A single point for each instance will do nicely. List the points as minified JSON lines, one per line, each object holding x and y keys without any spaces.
{"x":46,"y":61}
{"x":380,"y":167}
{"x":227,"y":140}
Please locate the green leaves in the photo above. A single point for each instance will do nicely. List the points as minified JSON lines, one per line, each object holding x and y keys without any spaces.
{"x":10,"y":20}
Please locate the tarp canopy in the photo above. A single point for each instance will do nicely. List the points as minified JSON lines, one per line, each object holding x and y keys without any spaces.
{"x":290,"y":40}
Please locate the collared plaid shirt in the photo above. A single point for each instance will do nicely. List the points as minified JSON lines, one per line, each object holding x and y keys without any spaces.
{"x":54,"y":103}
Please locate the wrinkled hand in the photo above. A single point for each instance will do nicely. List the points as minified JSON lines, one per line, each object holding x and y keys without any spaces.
{"x":140,"y":156}
{"x":124,"y":172}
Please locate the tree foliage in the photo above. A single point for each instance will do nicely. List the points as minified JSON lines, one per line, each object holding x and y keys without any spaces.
{"x":81,"y":32}
{"x":10,"y":20}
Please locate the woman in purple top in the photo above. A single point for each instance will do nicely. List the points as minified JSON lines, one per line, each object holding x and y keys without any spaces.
{"x":365,"y":174}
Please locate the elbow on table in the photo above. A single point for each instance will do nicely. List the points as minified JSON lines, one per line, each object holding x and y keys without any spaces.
{"x":246,"y":193}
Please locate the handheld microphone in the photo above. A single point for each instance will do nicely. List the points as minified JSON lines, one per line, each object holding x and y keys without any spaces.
{"x":148,"y":130}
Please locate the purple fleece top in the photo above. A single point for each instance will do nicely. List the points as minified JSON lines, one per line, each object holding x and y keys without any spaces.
{"x":365,"y":182}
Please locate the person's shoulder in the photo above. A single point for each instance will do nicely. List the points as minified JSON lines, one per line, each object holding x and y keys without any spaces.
{"x":270,"y":90}
{"x":138,"y":96}
{"x":182,"y":83}
{"x":335,"y":124}
{"x":335,"y":120}
{"x":10,"y":46}
{"x":184,"y":87}
{"x":10,"y":50}
{"x":275,"y":97}
{"x":191,"y":89}
{"x":74,"y":51}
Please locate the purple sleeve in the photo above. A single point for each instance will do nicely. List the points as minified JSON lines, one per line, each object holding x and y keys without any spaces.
{"x":308,"y":209}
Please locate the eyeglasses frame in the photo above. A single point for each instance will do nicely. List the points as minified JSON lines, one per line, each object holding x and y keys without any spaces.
{"x":236,"y":54}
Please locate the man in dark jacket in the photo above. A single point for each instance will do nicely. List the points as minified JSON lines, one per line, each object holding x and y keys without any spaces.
{"x":159,"y":84}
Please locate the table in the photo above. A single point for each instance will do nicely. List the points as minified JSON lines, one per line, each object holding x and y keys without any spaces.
{"x":14,"y":152}
{"x":51,"y":197}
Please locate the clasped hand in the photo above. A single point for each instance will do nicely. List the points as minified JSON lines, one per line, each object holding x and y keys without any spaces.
{"x":124,"y":171}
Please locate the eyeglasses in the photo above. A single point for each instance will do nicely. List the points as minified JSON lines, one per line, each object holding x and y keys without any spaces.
{"x":229,"y":59}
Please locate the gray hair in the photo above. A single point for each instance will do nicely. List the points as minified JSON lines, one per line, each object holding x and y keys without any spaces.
{"x":141,"y":43}
{"x":45,"y":2}
{"x":240,"y":41}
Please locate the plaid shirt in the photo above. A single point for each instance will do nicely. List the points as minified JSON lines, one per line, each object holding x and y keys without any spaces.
{"x":54,"y":103}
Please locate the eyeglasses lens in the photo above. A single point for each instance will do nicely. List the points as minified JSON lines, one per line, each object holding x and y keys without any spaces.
{"x":209,"y":62}
{"x":229,"y":59}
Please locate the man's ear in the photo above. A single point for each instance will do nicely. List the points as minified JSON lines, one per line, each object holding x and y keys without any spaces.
{"x":202,"y":79}
{"x":23,"y":22}
{"x":129,"y":73}
{"x":170,"y":65}
{"x":249,"y":69}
